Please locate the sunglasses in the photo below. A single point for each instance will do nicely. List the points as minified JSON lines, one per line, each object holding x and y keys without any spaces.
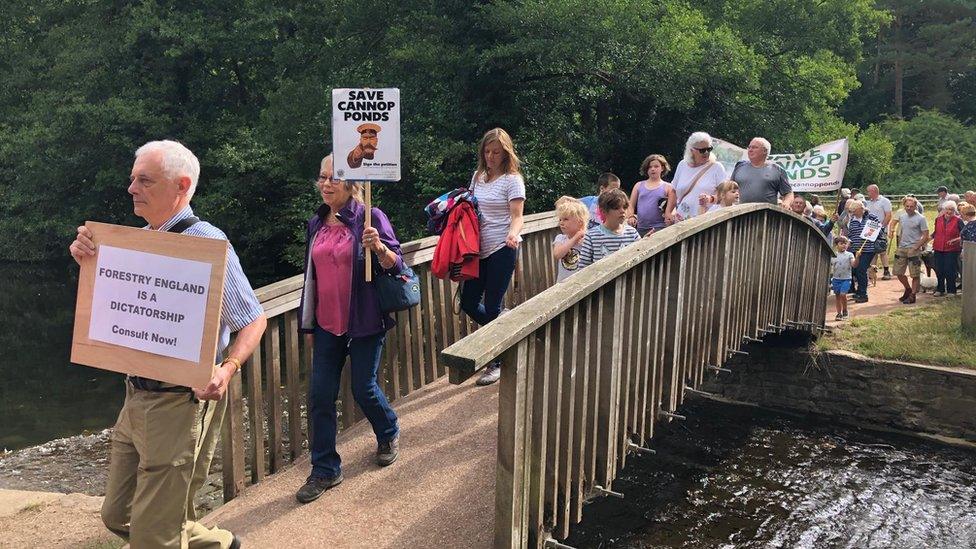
{"x":703,"y":150}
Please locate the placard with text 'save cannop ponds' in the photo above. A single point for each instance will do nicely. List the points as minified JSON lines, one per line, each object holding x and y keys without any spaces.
{"x":366,"y":134}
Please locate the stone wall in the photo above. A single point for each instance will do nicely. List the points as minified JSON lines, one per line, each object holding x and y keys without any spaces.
{"x":853,"y":389}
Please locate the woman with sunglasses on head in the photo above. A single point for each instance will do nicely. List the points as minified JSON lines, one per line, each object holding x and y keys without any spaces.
{"x":698,"y":173}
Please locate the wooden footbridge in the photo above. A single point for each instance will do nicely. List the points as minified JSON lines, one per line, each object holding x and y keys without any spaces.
{"x":590,"y":367}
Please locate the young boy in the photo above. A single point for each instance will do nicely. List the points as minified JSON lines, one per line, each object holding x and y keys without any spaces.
{"x":605,"y":182}
{"x":573,"y":217}
{"x":613,"y":234}
{"x":842,"y":266}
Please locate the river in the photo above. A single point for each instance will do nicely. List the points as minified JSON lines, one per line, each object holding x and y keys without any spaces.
{"x":738,"y":477}
{"x":42,"y":395}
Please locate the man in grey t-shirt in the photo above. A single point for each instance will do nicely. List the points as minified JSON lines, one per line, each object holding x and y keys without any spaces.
{"x":880,"y":207}
{"x":759,"y":180}
{"x":913,"y":234}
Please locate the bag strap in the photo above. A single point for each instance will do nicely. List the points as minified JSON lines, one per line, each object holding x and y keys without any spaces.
{"x":184,"y":224}
{"x":694,"y":182}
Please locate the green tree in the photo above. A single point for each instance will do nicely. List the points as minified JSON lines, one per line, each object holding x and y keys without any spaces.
{"x":923,"y":57}
{"x":583,"y":87}
{"x":931,"y":149}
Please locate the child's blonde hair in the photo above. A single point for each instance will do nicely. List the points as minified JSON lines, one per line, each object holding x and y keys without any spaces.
{"x":567,"y":206}
{"x":724,"y":188}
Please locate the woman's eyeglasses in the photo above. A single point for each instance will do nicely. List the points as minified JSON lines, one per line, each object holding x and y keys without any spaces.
{"x":703,"y":150}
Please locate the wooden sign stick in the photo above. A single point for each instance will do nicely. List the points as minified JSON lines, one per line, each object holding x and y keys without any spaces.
{"x":369,"y":223}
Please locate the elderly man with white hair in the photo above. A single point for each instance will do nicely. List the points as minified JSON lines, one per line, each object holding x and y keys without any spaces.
{"x":696,"y":176}
{"x":761,"y":180}
{"x":165,"y":436}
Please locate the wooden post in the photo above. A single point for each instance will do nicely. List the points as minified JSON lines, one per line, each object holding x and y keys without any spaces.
{"x":232,"y":441}
{"x":514,"y":418}
{"x":969,"y":288}
{"x":369,"y":223}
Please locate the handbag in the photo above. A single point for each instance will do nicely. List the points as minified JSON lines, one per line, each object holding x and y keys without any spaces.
{"x":397,"y":292}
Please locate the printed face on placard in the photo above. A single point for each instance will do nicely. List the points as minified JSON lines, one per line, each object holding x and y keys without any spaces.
{"x":368,"y":143}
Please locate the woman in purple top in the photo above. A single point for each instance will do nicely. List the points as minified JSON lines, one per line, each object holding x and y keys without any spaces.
{"x":340,"y":315}
{"x":651,"y":198}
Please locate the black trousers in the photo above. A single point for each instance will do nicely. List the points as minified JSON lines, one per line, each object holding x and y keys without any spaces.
{"x":946,"y":271}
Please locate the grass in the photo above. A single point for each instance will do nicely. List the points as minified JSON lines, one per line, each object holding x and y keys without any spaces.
{"x":929,"y":334}
{"x":33,"y":507}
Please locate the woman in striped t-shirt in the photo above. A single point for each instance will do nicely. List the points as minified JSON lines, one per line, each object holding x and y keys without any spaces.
{"x":500,"y":190}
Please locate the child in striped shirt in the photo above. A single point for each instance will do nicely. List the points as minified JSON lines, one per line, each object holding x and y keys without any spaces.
{"x":573,"y":217}
{"x":613,"y":234}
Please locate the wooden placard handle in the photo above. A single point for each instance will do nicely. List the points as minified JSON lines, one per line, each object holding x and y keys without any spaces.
{"x":369,"y":223}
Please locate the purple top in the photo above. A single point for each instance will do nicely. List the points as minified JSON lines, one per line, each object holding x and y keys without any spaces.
{"x":649,"y":216}
{"x":365,"y":316}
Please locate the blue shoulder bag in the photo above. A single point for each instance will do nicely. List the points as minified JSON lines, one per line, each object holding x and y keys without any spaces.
{"x":397,"y":292}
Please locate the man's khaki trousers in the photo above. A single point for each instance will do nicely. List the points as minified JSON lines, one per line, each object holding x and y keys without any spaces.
{"x":161,"y":451}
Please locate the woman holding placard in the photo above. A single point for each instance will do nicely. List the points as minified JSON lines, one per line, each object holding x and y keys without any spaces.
{"x":500,"y":190}
{"x":340,"y":313}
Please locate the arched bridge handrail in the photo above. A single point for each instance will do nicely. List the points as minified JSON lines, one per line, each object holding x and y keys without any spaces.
{"x":478,"y":349}
{"x":591,"y":365}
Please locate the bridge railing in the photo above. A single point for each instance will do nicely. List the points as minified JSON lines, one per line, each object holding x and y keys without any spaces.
{"x":272,"y":431}
{"x":591,"y":364}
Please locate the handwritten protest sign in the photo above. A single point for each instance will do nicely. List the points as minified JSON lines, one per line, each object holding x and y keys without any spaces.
{"x":366,"y":134}
{"x":149,"y":304}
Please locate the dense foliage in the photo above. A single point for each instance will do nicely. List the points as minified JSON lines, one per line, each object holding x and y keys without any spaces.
{"x":582,"y":86}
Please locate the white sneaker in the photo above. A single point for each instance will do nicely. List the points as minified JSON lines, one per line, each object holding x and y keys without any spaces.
{"x":491,"y":375}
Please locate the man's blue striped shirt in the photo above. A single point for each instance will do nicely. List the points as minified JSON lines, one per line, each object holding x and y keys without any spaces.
{"x":240,"y":306}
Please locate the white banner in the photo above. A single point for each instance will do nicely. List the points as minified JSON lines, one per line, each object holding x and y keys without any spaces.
{"x":366,"y":134}
{"x":819,"y":169}
{"x":150,"y":302}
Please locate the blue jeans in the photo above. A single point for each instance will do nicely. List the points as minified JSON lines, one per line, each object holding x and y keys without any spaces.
{"x":494,"y":276}
{"x":861,"y":273}
{"x":328,"y":357}
{"x":946,"y":271}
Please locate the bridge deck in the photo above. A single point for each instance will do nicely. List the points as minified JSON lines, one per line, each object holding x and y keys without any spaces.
{"x":439,"y":493}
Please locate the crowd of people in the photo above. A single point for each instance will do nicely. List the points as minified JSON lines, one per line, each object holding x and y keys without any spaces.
{"x":166,"y":434}
{"x":916,"y":245}
{"x":700,"y":185}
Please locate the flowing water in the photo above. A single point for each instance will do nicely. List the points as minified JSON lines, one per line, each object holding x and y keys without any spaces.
{"x":42,"y":395}
{"x":734,"y":476}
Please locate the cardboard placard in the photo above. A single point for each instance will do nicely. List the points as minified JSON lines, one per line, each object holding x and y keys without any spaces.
{"x":149,"y":304}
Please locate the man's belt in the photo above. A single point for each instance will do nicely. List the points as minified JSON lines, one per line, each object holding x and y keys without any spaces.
{"x":145,"y":384}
